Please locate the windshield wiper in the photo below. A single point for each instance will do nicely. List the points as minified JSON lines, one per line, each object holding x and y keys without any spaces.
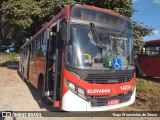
{"x":96,"y":37}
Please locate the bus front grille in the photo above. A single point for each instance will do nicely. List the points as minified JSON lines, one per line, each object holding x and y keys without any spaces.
{"x":111,"y":78}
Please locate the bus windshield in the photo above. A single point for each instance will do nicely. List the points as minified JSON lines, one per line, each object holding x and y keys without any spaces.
{"x":83,"y":52}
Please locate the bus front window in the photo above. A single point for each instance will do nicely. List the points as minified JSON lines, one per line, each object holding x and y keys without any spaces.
{"x":83,"y":52}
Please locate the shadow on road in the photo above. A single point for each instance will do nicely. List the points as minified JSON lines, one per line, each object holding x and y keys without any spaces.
{"x":10,"y":64}
{"x":37,"y":97}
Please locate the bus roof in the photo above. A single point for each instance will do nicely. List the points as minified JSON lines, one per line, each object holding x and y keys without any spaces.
{"x":105,"y":10}
{"x":153,"y":42}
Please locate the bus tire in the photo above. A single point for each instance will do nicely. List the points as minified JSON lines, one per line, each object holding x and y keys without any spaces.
{"x":45,"y":100}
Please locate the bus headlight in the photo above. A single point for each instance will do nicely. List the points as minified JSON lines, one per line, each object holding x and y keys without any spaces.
{"x":77,"y":90}
{"x":80,"y":91}
{"x":71,"y":86}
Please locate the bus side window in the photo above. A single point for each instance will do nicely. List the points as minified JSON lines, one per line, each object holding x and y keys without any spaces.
{"x":24,"y":52}
{"x":42,"y":47}
{"x":53,"y":42}
{"x":43,"y":43}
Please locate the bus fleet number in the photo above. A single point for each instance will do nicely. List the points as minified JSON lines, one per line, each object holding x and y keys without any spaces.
{"x":125,"y":87}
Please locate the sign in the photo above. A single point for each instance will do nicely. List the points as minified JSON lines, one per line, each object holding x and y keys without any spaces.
{"x":113,"y":102}
{"x":117,"y":64}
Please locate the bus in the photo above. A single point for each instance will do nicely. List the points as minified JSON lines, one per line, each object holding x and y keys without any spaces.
{"x":148,"y":60}
{"x":82,"y":60}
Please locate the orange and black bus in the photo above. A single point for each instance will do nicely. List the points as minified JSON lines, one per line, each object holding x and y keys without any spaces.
{"x":148,"y":60}
{"x":82,"y":60}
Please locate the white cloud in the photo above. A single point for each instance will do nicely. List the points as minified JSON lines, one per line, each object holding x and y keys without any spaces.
{"x":156,"y":1}
{"x":156,"y":32}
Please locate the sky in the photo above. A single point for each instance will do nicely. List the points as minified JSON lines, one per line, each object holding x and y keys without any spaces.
{"x":148,"y":14}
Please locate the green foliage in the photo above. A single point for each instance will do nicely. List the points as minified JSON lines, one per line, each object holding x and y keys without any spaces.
{"x":139,"y":33}
{"x":23,"y":18}
{"x":20,"y":12}
{"x":13,"y":57}
{"x":9,"y":59}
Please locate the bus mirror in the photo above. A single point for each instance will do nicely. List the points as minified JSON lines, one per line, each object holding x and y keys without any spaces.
{"x":64,"y":31}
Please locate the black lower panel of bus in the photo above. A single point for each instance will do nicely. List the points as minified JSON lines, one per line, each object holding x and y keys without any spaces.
{"x":50,"y":76}
{"x":102,"y":101}
{"x":51,"y":79}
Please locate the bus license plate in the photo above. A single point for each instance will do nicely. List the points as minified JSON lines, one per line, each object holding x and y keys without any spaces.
{"x":113,"y":102}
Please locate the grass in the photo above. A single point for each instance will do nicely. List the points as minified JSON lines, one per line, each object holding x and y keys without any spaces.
{"x":148,"y":94}
{"x":8,"y":59}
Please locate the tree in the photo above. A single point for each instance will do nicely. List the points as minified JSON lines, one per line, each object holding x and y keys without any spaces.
{"x":140,"y":32}
{"x":23,"y":18}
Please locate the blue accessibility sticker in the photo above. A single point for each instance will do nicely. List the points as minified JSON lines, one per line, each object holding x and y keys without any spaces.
{"x":117,"y":64}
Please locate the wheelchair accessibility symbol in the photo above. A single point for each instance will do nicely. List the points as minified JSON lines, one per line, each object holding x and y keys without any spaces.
{"x":117,"y":64}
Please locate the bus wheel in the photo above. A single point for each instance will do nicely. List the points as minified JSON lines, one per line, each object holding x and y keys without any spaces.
{"x":40,"y":92}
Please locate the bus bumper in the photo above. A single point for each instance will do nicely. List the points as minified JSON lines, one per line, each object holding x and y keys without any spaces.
{"x":72,"y":102}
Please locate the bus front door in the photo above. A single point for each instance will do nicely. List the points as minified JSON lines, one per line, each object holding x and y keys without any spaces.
{"x":53,"y":65}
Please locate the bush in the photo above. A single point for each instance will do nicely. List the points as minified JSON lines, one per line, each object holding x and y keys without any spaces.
{"x":8,"y":59}
{"x":13,"y":57}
